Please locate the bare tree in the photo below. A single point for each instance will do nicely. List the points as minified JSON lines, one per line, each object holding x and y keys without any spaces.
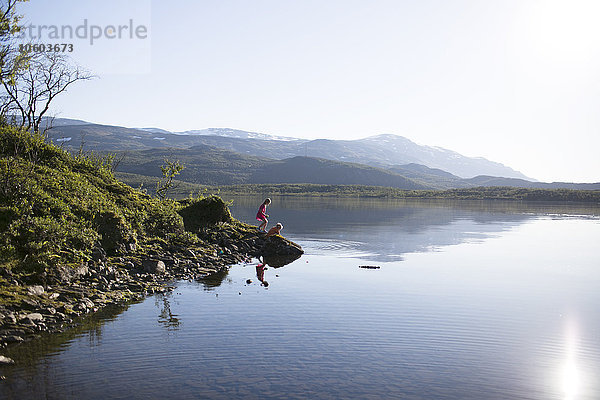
{"x":30,"y":81}
{"x":29,"y":92}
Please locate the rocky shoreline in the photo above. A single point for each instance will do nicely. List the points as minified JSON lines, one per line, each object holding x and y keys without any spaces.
{"x":32,"y":310}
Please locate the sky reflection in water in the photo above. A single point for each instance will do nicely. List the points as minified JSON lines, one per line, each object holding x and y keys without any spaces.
{"x":472,"y":301}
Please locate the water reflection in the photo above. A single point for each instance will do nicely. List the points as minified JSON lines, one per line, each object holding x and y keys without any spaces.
{"x":34,"y":374}
{"x":215,"y":280}
{"x":211,"y":282}
{"x":278,"y":261}
{"x":166,"y":318}
{"x":468,"y":322}
{"x":570,"y":374}
{"x":260,"y":274}
{"x":386,"y":230}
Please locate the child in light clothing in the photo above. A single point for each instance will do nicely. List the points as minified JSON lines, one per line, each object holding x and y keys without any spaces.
{"x":275,"y":230}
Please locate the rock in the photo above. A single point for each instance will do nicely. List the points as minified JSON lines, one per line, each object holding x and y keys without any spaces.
{"x":98,"y":254}
{"x":11,"y":319}
{"x":5,"y":360}
{"x":12,"y":339}
{"x":189,"y":253}
{"x":88,"y":303}
{"x":114,"y":230}
{"x":154,"y":266}
{"x":279,"y":261}
{"x":29,"y":304}
{"x":280,"y":246}
{"x":36,"y":290}
{"x":65,"y":274}
{"x":204,"y":212}
{"x":35,"y":317}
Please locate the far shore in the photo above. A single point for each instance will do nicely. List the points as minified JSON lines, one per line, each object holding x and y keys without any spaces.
{"x":184,"y":189}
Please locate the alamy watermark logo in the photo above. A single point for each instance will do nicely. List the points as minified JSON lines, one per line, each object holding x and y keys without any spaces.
{"x":108,"y":36}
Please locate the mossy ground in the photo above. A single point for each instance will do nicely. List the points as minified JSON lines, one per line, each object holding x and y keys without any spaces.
{"x":57,"y":209}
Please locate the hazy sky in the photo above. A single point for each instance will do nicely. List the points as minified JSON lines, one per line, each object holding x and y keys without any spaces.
{"x":517,"y":82}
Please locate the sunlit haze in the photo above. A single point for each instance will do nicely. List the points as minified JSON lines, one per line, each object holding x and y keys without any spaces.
{"x":517,"y":82}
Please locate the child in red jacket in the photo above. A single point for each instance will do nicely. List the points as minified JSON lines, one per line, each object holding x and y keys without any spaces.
{"x":262,"y":215}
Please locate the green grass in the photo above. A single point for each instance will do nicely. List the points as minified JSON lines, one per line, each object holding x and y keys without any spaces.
{"x":56,"y":208}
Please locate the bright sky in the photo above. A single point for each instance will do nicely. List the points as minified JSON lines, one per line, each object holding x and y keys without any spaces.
{"x":515,"y":81}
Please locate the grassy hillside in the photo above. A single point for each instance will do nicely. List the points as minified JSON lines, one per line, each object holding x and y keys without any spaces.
{"x":57,"y":209}
{"x":203,"y":164}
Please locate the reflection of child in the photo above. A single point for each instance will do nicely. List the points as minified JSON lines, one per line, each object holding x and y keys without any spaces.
{"x":261,"y":215}
{"x":260,"y":274}
{"x":275,"y":230}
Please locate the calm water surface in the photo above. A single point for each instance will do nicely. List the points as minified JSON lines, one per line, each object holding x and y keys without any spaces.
{"x":472,"y":301}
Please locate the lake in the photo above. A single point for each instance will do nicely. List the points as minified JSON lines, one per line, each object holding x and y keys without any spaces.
{"x":471,"y":300}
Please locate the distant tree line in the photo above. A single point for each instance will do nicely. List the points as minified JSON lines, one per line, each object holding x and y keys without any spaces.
{"x":477,"y":193}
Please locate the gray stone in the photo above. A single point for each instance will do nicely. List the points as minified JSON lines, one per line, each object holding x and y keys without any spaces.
{"x":35,"y":317}
{"x":5,"y":360}
{"x":279,"y":246}
{"x":154,"y":266}
{"x":30,"y":303}
{"x":98,"y":254}
{"x":88,"y":303}
{"x":189,"y":253}
{"x":11,"y":318}
{"x":36,"y":290}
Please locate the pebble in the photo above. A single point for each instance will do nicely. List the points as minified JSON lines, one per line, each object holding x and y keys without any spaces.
{"x":35,"y":317}
{"x":5,"y":360}
{"x":36,"y":290}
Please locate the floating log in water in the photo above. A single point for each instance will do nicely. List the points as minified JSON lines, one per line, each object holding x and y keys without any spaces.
{"x":369,"y":266}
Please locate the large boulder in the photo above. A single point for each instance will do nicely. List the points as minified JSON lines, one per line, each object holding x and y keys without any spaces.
{"x":62,"y":273}
{"x":114,"y":230}
{"x":200,"y":213}
{"x":154,"y":266}
{"x":279,"y":261}
{"x":279,"y":246}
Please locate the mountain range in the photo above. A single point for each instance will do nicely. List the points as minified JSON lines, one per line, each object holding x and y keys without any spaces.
{"x":220,"y":156}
